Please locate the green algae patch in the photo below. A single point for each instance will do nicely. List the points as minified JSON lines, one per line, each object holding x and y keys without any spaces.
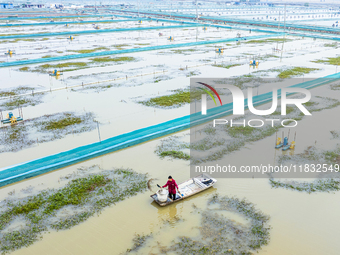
{"x":296,"y":71}
{"x":80,"y":198}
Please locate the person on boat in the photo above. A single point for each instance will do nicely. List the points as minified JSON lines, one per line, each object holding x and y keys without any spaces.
{"x":172,"y":186}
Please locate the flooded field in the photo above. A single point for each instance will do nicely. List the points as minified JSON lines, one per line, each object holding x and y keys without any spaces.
{"x":103,"y":205}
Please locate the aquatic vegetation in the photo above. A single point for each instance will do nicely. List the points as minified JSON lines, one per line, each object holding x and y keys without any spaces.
{"x":22,"y":39}
{"x":44,"y":129}
{"x":90,"y":50}
{"x":295,"y":71}
{"x":62,"y":123}
{"x":332,"y":61}
{"x":15,"y":98}
{"x":290,"y":109}
{"x":321,"y":185}
{"x":7,"y":93}
{"x":111,"y":59}
{"x":244,"y":80}
{"x":192,"y":73}
{"x":219,"y":234}
{"x":227,"y":66}
{"x":161,"y":78}
{"x":175,"y":154}
{"x":138,"y":241}
{"x":15,"y":91}
{"x":70,"y":64}
{"x":97,"y":88}
{"x":269,"y":40}
{"x":243,"y":131}
{"x":24,"y":69}
{"x":142,"y":44}
{"x":334,"y":44}
{"x":45,"y":68}
{"x":186,"y":51}
{"x":172,"y":147}
{"x":179,"y":98}
{"x":46,"y":56}
{"x":16,"y":102}
{"x":120,"y":46}
{"x":81,"y":197}
{"x":223,"y":139}
{"x":335,"y":134}
{"x":324,"y":182}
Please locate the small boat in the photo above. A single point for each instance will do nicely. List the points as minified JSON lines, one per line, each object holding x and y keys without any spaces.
{"x":187,"y":189}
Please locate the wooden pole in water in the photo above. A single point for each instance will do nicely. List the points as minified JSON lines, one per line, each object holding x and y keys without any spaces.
{"x":98,"y":132}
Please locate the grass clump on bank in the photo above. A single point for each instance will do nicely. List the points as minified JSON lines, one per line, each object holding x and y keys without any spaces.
{"x":63,"y":208}
{"x":296,"y":71}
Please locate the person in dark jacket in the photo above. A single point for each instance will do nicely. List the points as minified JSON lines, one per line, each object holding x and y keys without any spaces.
{"x":172,"y":186}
